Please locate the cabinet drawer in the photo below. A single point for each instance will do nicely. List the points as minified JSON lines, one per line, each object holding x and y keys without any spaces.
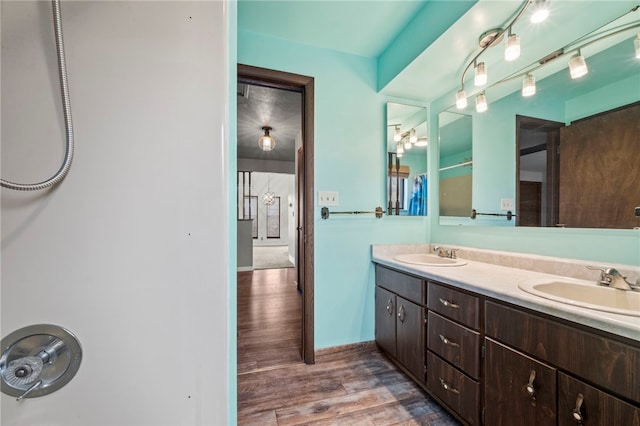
{"x":455,"y":343}
{"x":411,"y":288}
{"x":453,"y":388}
{"x":600,"y":360}
{"x":518,"y":389}
{"x":596,"y":407}
{"x":454,"y":304}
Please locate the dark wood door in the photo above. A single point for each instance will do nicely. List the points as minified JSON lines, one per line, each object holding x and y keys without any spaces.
{"x":410,"y":337}
{"x":386,"y":320}
{"x":530,"y":204}
{"x":579,"y":403}
{"x":518,"y":389}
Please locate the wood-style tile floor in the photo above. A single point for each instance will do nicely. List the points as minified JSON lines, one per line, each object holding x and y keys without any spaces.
{"x":355,"y":385}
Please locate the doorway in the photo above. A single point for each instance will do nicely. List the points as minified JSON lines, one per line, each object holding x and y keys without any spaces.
{"x":537,"y":171}
{"x":303,"y":226}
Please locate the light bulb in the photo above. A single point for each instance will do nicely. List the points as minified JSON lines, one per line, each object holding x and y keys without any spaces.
{"x":528,"y":85}
{"x":397,"y":135}
{"x":577,"y":66}
{"x":481,"y":102}
{"x":399,"y":149}
{"x":461,"y":99}
{"x":412,"y":136}
{"x":512,"y":48}
{"x":480,"y":78}
{"x":540,"y":11}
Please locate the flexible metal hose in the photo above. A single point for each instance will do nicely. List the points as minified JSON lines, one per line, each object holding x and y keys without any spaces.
{"x":66,"y":105}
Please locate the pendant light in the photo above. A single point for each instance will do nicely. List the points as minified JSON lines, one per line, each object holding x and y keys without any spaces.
{"x":397,"y":134}
{"x":512,"y":47}
{"x":480,"y":78}
{"x":528,"y":86}
{"x":481,"y":102}
{"x":268,"y":197}
{"x":577,"y":66}
{"x":266,"y":142}
{"x":413,"y":138}
{"x":461,"y":99}
{"x":399,"y":150}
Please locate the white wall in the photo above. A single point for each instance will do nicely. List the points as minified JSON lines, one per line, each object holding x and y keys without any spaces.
{"x":130,"y":251}
{"x":283,"y":186}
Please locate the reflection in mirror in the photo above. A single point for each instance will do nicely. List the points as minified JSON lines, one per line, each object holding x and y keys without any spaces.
{"x":406,"y":143}
{"x":569,"y":155}
{"x":455,"y":132}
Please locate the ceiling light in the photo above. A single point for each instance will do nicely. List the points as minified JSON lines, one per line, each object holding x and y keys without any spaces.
{"x":422,"y":141}
{"x":636,"y":43}
{"x":480,"y":78}
{"x":266,"y":142}
{"x":540,"y":11}
{"x":529,"y":86}
{"x":413,"y":138}
{"x":461,"y":99}
{"x":577,"y":66}
{"x":269,"y":197}
{"x":481,"y":102}
{"x":397,"y":134}
{"x":399,"y":150}
{"x":512,"y":47}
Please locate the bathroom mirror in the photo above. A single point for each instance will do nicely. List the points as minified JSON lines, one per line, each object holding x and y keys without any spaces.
{"x":406,"y":166}
{"x":455,"y":166}
{"x":523,"y":151}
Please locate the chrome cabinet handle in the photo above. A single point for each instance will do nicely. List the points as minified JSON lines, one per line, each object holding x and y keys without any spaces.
{"x":390,"y":306}
{"x":448,"y":342}
{"x":448,"y":304}
{"x":401,"y":313}
{"x":446,"y":386}
{"x":530,"y":389}
{"x":577,"y":415}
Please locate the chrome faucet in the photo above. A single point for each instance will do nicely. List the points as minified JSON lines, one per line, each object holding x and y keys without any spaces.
{"x":443,"y":252}
{"x":610,"y":277}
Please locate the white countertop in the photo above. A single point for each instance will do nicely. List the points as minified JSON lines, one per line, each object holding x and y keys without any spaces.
{"x":501,"y":283}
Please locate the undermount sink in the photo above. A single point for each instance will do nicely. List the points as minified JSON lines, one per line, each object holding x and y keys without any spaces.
{"x":428,"y":260}
{"x":589,"y":296}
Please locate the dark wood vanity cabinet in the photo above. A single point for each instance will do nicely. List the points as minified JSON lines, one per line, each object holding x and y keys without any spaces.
{"x":492,"y":363}
{"x":400,"y":320}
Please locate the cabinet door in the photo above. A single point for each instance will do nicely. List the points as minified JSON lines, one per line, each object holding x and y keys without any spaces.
{"x":410,"y":337}
{"x":581,"y":404}
{"x":518,"y":389}
{"x":386,"y":320}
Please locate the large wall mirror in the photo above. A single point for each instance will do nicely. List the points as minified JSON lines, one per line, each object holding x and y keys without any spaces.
{"x":455,"y":166}
{"x":568,"y":156}
{"x":406,"y":167}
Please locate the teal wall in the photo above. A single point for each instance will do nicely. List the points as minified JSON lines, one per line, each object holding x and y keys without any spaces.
{"x":350,"y":158}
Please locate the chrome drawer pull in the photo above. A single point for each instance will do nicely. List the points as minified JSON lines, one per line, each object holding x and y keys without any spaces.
{"x":446,"y":386}
{"x":448,"y":304}
{"x":448,"y":342}
{"x":530,"y":389}
{"x":577,"y":415}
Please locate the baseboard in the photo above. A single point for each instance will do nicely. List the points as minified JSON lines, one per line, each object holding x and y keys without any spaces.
{"x":292,"y":260}
{"x":353,"y":347}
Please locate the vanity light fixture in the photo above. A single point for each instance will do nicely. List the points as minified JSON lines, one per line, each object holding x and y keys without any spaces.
{"x":528,"y":85}
{"x":480,"y":78}
{"x":512,"y":47}
{"x":266,"y":142}
{"x":422,"y":141}
{"x":577,"y":66}
{"x":413,"y":138}
{"x":461,"y":99}
{"x":636,"y":43}
{"x":481,"y":102}
{"x":397,"y":134}
{"x":540,"y":11}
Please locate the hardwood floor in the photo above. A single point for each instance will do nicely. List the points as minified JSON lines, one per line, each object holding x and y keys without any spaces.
{"x":354,"y":385}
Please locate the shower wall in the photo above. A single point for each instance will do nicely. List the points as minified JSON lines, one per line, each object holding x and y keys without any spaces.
{"x":130,"y":251}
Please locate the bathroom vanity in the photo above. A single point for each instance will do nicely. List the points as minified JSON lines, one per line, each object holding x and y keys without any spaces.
{"x":494,"y":354}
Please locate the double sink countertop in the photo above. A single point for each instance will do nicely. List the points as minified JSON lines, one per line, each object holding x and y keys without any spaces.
{"x":496,"y":274}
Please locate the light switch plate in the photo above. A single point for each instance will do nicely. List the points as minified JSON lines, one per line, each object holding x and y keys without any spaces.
{"x":506,"y":204}
{"x":327,"y":198}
